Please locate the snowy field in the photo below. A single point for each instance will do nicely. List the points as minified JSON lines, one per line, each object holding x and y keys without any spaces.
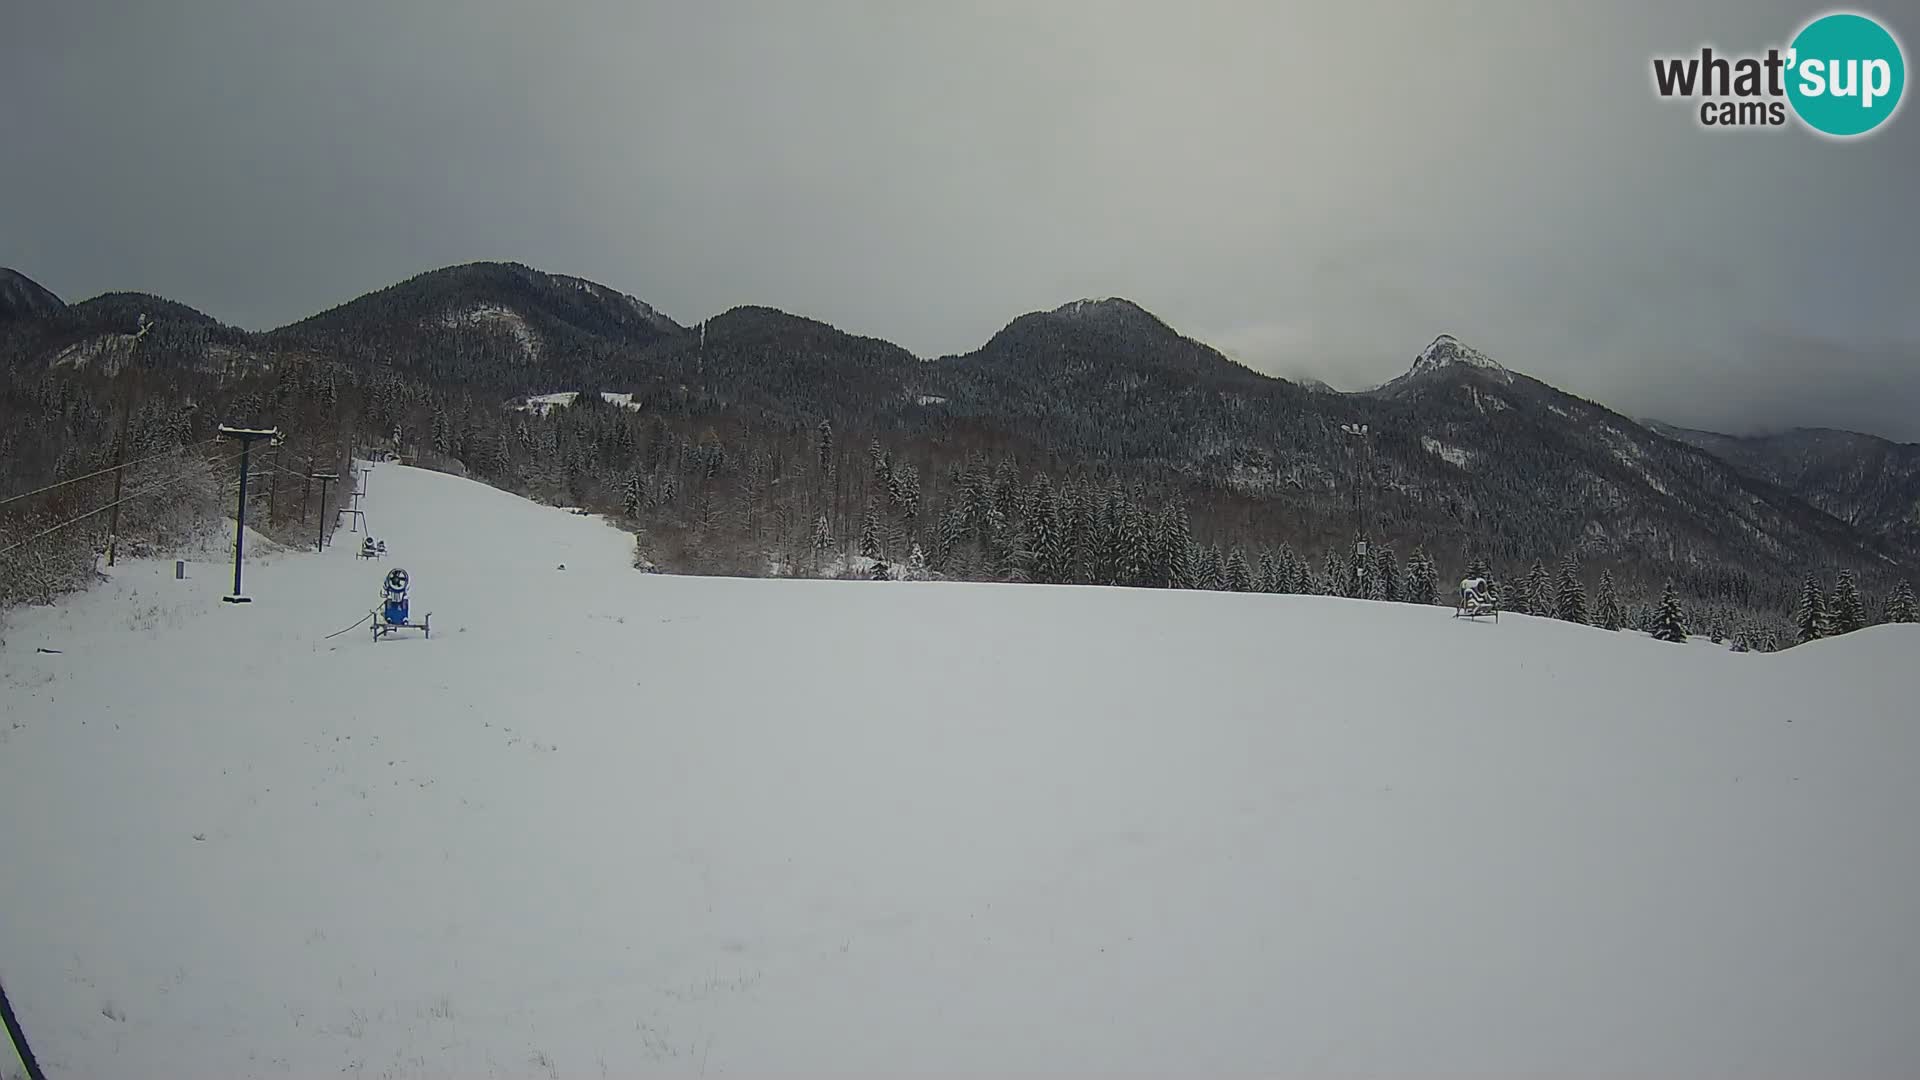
{"x":614,"y":824}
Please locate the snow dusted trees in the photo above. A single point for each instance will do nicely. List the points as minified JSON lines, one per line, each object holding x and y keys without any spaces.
{"x":1267,"y":578}
{"x":1238,"y":577}
{"x":1173,"y":548}
{"x":1812,"y":617}
{"x":1668,"y":623}
{"x":1535,"y":592}
{"x":1607,"y":613}
{"x":1422,"y":577}
{"x":1293,"y":576}
{"x":1211,"y":572}
{"x":1847,"y":613}
{"x":1385,"y":580}
{"x":1045,"y":536}
{"x":1900,"y":608}
{"x":822,"y":540}
{"x":1571,"y":603}
{"x":1333,"y":574}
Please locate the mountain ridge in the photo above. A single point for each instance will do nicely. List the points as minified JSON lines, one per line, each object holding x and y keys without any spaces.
{"x":1465,"y":453}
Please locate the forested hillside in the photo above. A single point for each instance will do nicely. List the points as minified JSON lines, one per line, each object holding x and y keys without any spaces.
{"x":1088,"y":444}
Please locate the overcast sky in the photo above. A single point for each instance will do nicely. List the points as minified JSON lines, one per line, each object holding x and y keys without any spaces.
{"x":1317,"y":189}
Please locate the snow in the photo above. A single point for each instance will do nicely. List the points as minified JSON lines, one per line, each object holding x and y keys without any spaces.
{"x":1631,"y":454}
{"x":545,"y":403}
{"x":503,"y":317}
{"x":1452,"y":454}
{"x":1446,"y":351}
{"x":615,"y":823}
{"x":931,"y":399}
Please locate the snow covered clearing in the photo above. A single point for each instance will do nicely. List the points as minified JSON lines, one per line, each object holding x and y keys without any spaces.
{"x":545,"y":403}
{"x":613,"y":823}
{"x":1453,"y":455}
{"x":496,"y":316}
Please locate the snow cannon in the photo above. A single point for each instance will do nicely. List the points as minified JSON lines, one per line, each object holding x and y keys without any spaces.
{"x":1476,"y":599}
{"x":392,"y":614}
{"x":394,"y":597}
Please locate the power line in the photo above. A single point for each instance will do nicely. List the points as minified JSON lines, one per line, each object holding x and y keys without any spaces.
{"x":103,"y":509}
{"x":105,"y":471}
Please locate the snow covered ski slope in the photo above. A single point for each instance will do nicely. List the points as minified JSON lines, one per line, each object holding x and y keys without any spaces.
{"x":614,"y":824}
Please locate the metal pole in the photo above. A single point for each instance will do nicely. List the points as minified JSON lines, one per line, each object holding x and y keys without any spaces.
{"x":247,"y":437}
{"x":240,"y":527}
{"x":19,"y":1038}
{"x":320,"y":544}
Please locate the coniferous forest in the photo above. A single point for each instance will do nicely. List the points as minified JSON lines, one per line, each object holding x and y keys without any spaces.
{"x":1088,"y":445}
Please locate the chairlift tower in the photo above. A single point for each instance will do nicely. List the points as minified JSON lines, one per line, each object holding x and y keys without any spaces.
{"x":1363,"y":451}
{"x":246,"y":437}
{"x":356,"y":516}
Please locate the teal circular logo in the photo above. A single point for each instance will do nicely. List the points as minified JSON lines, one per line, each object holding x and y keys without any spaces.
{"x":1846,"y":74}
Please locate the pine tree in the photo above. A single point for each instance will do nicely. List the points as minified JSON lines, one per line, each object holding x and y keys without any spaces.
{"x":1044,"y":533}
{"x":1133,"y":546}
{"x":822,"y":539}
{"x":953,"y":533}
{"x":1812,"y":617}
{"x":1534,"y":594}
{"x":1212,"y":572}
{"x":1477,"y":568}
{"x":1571,"y":603}
{"x":1900,"y":608}
{"x":1238,"y":577}
{"x":1608,"y":613}
{"x":1333,"y":573}
{"x":906,"y":494}
{"x":1423,"y":578}
{"x":1848,"y":614}
{"x":634,"y":497}
{"x":880,"y":571}
{"x":1176,"y":543}
{"x":916,"y":563}
{"x":1078,"y":514}
{"x":1668,"y":623}
{"x":1386,"y":575}
{"x":1267,"y":579}
{"x":1292,"y":574}
{"x":870,"y":533}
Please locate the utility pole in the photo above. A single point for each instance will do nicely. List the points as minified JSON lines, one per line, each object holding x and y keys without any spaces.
{"x":325,"y":480}
{"x":247,"y":437}
{"x":127,"y":375}
{"x":1361,"y":433}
